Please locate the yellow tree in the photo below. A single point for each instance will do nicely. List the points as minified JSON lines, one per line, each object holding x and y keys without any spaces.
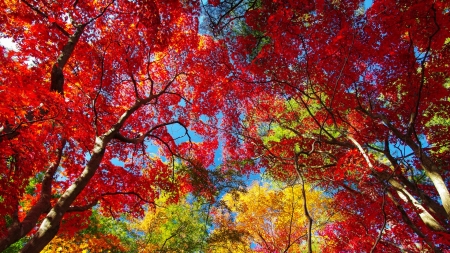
{"x":267,"y":219}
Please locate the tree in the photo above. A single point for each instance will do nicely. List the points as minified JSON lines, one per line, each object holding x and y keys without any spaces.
{"x":174,"y":222}
{"x":92,"y":87}
{"x":360,"y":92}
{"x":270,"y":219}
{"x":174,"y":227}
{"x":166,"y":227}
{"x":354,"y":99}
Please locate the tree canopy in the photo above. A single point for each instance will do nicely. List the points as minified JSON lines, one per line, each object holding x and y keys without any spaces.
{"x":108,"y":107}
{"x":270,"y":219}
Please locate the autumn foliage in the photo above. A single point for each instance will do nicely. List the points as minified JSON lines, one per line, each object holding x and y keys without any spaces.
{"x":269,"y":218}
{"x":106,"y":104}
{"x":92,"y":86}
{"x":352,"y":99}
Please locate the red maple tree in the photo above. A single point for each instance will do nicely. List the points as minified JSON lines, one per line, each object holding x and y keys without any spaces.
{"x":361,"y":97}
{"x":92,"y":86}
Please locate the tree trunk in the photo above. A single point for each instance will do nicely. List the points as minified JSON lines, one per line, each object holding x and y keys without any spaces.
{"x":51,"y":223}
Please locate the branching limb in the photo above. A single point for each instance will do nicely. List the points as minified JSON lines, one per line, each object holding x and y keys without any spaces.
{"x":384,"y":221}
{"x":305,"y":206}
{"x":36,"y":9}
{"x":414,"y":114}
{"x":142,"y":137}
{"x":408,"y":221}
{"x":20,"y":229}
{"x":82,"y":208}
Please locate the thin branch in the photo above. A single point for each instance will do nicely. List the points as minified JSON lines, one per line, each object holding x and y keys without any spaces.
{"x":305,"y":206}
{"x":34,"y":8}
{"x":141,"y":137}
{"x":171,"y":236}
{"x":100,"y":14}
{"x":414,"y":115}
{"x":127,"y":193}
{"x":264,"y":240}
{"x":97,"y":94}
{"x":291,"y":219}
{"x":408,"y":221}
{"x":384,"y":221}
{"x":169,"y":84}
{"x":82,"y":208}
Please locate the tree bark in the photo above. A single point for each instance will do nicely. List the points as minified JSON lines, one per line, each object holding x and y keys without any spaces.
{"x":305,"y":207}
{"x":426,"y":217}
{"x":427,"y":164}
{"x":20,"y":229}
{"x":51,"y":223}
{"x":408,"y":221}
{"x":57,"y":75}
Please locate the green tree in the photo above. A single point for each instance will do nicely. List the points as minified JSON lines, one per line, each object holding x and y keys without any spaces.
{"x":173,"y":227}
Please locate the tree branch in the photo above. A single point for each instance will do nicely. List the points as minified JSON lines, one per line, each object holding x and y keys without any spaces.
{"x":34,"y":8}
{"x":384,"y":221}
{"x":20,"y":229}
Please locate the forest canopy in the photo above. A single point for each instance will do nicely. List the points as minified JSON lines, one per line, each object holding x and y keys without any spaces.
{"x":139,"y":126}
